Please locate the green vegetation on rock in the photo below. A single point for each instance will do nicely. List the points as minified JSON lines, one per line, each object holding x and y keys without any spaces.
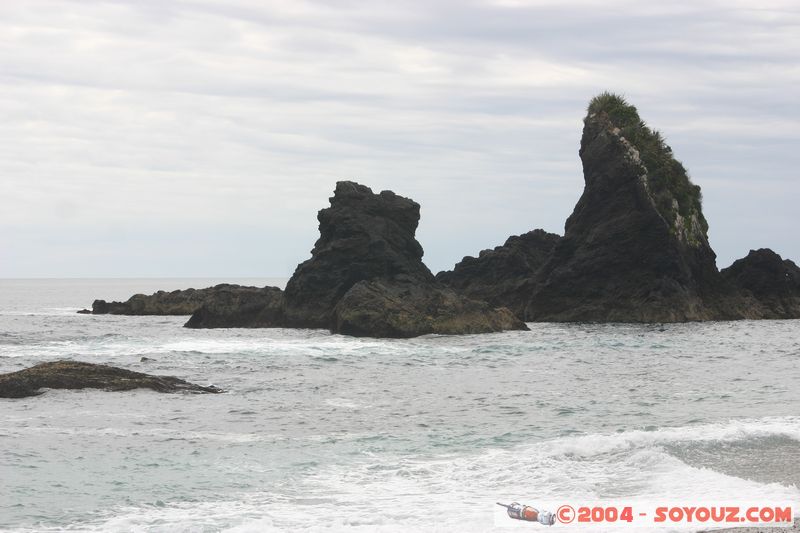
{"x":667,"y":177}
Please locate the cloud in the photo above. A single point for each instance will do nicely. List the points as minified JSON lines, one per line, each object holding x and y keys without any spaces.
{"x":147,"y":137}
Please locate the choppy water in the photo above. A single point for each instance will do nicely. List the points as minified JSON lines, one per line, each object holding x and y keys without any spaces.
{"x":322,"y":432}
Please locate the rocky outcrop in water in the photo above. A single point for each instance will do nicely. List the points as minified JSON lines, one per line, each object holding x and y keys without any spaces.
{"x":502,"y":276}
{"x":262,"y":308}
{"x":384,"y":308}
{"x":769,"y":284}
{"x":635,"y":248}
{"x":363,"y":236}
{"x":365,"y":277}
{"x":78,"y":375}
{"x":179,"y":302}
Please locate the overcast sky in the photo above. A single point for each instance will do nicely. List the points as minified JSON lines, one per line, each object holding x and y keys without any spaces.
{"x":199,"y":138}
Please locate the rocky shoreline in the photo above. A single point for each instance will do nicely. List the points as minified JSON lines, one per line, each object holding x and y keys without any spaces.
{"x":635,"y":249}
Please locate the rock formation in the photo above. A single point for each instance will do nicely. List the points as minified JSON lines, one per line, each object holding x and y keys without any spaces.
{"x":387,"y":308}
{"x":635,"y":248}
{"x":770,"y":284}
{"x":363,"y":236}
{"x":365,"y":277}
{"x":179,"y":302}
{"x":502,"y":276}
{"x":262,"y":308}
{"x":78,"y":375}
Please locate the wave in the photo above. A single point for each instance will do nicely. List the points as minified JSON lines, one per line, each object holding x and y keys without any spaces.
{"x":319,"y":345}
{"x":732,"y":430}
{"x":456,"y":492}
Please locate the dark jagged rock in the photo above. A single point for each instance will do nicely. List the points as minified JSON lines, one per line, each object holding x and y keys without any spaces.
{"x":774,"y":283}
{"x":403,"y":309}
{"x":365,"y":277}
{"x":363,"y":236}
{"x":635,"y":248}
{"x":179,"y":302}
{"x":232,"y":308}
{"x":502,"y":276}
{"x":79,"y":375}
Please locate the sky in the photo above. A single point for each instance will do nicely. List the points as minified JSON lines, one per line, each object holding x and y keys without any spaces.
{"x":156,"y":138}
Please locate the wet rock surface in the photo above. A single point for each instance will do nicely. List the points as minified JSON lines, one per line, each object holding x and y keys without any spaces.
{"x":402,"y":309}
{"x":502,"y":276}
{"x":178,"y":302}
{"x":78,"y":375}
{"x":262,"y":308}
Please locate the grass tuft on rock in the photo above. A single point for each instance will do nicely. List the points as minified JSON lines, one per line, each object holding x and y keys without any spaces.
{"x":667,"y":177}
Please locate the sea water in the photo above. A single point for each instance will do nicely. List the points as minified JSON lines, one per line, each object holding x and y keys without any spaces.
{"x":322,"y":432}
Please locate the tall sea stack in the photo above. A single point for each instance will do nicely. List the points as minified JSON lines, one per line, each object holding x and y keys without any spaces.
{"x":635,"y":248}
{"x":365,"y":277}
{"x":362,"y":236}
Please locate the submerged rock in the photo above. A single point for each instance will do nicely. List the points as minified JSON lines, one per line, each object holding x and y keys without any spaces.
{"x":79,"y":375}
{"x":502,"y":276}
{"x":178,"y":302}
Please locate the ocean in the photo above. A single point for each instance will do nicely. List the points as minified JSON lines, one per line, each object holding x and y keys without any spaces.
{"x":321,"y":432}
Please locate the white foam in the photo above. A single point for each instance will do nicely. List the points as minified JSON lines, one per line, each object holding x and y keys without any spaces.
{"x":733,"y":430}
{"x":343,"y":403}
{"x":162,"y":433}
{"x":456,"y":492}
{"x":318,"y":344}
